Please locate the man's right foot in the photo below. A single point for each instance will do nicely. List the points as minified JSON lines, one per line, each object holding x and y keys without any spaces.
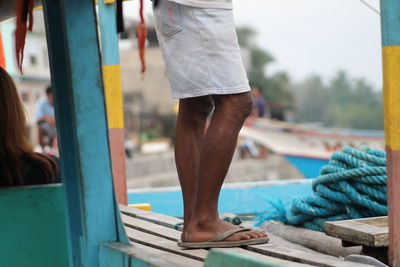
{"x":202,"y":231}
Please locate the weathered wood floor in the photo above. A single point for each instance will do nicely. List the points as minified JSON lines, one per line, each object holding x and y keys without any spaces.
{"x":154,"y":233}
{"x":372,"y":232}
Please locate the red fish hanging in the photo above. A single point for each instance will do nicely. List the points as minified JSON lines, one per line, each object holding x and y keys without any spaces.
{"x":142,"y":36}
{"x":24,"y":23}
{"x":2,"y":55}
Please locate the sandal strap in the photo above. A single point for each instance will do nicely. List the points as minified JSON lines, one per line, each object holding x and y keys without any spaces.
{"x":228,"y":234}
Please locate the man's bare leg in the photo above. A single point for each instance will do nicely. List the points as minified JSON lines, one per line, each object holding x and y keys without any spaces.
{"x":190,"y":130}
{"x":203,"y":161}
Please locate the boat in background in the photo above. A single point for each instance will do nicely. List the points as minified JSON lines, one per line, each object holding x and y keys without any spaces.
{"x":308,"y":147}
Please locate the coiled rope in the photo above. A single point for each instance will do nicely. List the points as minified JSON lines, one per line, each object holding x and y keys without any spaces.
{"x":351,"y":186}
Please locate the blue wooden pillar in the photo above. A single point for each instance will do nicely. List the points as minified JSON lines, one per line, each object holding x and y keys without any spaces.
{"x":81,"y":120}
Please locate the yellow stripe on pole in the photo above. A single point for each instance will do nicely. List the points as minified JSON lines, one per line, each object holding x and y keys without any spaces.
{"x":391,"y":65}
{"x":113,"y":92}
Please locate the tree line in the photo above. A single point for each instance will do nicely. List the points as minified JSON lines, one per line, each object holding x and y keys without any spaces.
{"x":341,"y":102}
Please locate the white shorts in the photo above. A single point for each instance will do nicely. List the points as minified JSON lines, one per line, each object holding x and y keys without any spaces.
{"x":200,"y":49}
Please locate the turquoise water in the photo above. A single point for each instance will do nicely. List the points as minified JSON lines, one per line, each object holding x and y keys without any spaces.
{"x":251,"y":198}
{"x":309,"y":167}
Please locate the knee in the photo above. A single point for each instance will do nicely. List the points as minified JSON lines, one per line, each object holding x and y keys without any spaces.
{"x":246,"y":106}
{"x":238,"y":106}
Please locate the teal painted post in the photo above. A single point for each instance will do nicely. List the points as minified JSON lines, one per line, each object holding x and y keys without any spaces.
{"x":109,"y":35}
{"x":390,"y":19}
{"x":82,"y":126}
{"x":390,"y":22}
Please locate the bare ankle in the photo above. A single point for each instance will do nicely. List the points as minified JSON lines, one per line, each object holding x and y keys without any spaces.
{"x":204,"y":222}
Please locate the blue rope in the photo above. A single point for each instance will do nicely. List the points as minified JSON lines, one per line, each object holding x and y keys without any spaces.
{"x":351,"y":186}
{"x":177,"y":226}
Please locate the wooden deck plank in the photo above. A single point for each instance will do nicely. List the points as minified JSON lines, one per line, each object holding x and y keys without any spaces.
{"x":149,"y":216}
{"x":317,"y":241}
{"x":372,"y":232}
{"x":165,"y":240}
{"x":151,"y":228}
{"x":177,"y":259}
{"x":174,"y":235}
{"x":122,"y":255}
{"x":168,"y":237}
{"x":164,"y":244}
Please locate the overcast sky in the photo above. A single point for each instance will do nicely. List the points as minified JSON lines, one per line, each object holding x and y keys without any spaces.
{"x":313,"y":36}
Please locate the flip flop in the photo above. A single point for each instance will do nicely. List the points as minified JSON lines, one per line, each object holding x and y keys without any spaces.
{"x":219,"y":243}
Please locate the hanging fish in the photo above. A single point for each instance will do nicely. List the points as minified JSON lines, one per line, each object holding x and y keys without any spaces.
{"x":24,"y":23}
{"x":142,"y":36}
{"x":141,"y":31}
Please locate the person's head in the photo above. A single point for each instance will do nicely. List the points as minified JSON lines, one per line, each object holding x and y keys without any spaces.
{"x":49,"y":94}
{"x":255,"y":91}
{"x":14,"y":142}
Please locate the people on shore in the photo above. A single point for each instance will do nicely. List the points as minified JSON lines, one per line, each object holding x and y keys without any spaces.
{"x":259,"y":103}
{"x":45,"y":120}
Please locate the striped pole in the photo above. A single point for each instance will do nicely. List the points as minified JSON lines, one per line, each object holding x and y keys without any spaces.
{"x":390,"y":19}
{"x":113,"y":94}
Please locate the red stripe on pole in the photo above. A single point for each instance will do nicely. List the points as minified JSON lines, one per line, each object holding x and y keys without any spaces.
{"x":393,"y":170}
{"x":117,"y":149}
